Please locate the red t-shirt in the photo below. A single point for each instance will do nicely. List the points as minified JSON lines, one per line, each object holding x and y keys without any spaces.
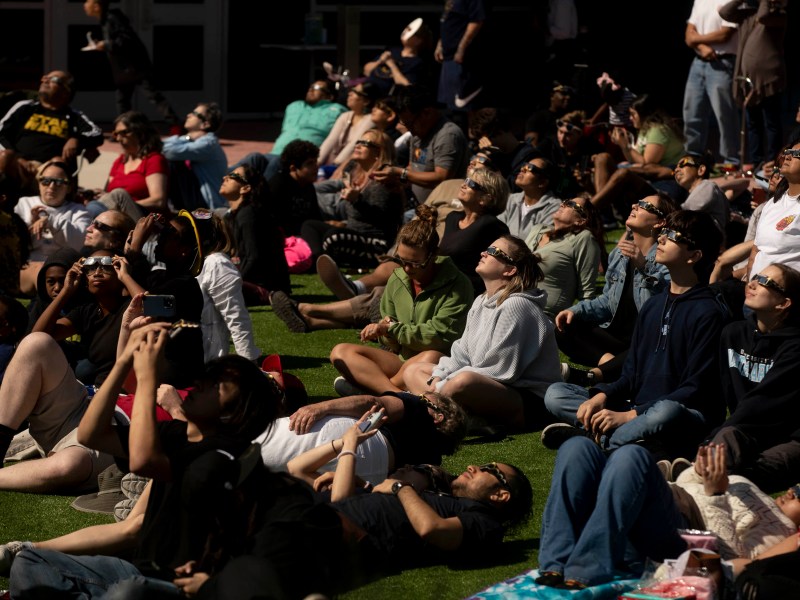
{"x":135,"y":182}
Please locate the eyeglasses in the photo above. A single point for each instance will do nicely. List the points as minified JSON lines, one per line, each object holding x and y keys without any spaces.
{"x":568,"y":127}
{"x":236,"y":177}
{"x":474,"y":185}
{"x":104,"y":263}
{"x":357,"y":93}
{"x":56,"y":181}
{"x":575,"y":206}
{"x":499,"y":254}
{"x":651,"y":208}
{"x":318,"y":88}
{"x":100,"y":226}
{"x":484,"y":160}
{"x":410,"y":263}
{"x":677,"y":237}
{"x":686,"y":162}
{"x":791,"y":152}
{"x":430,"y":404}
{"x":494,"y":470}
{"x":118,"y":134}
{"x":531,"y":168}
{"x":770,"y":283}
{"x":199,"y":115}
{"x":54,"y":79}
{"x":367,"y":143}
{"x":437,"y":479}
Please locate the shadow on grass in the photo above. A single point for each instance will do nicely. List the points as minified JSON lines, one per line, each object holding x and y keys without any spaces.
{"x":509,"y":553}
{"x":290,"y":361}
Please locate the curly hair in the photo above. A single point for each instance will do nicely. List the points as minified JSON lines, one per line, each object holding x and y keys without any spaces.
{"x":453,"y":426}
{"x":298,"y":152}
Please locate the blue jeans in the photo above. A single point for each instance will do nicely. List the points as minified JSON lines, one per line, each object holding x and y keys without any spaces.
{"x":604,"y":515}
{"x":764,"y":129}
{"x":709,"y":90}
{"x":39,"y":573}
{"x":664,"y":418}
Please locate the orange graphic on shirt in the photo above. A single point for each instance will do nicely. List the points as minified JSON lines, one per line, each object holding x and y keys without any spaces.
{"x":785,"y":222}
{"x":49,"y":125}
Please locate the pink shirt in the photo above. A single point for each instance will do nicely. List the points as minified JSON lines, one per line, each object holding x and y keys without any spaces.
{"x":135,"y":182}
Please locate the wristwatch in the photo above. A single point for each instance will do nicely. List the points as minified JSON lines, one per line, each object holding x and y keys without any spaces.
{"x":397,"y":485}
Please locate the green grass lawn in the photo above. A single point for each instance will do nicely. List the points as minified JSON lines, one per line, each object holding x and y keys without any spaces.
{"x":35,"y":517}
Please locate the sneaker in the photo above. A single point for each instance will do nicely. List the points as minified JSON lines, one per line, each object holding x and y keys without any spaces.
{"x":580,"y":377}
{"x":679,"y":465}
{"x":341,"y":286}
{"x":286,"y":310}
{"x":666,"y":469}
{"x":565,"y":371}
{"x":133,"y":485}
{"x":345,"y":388}
{"x":123,"y":508}
{"x":8,"y":552}
{"x":556,"y":434}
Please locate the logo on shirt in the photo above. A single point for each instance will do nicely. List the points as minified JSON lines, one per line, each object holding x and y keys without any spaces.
{"x":48,"y":125}
{"x":785,"y":222}
{"x":749,"y":367}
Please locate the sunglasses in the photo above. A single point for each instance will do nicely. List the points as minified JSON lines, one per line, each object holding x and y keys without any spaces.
{"x":791,"y":152}
{"x":474,"y":185}
{"x":575,"y":206}
{"x":56,"y":181}
{"x":118,"y":134}
{"x":104,"y":263}
{"x":686,"y":162}
{"x":499,"y":254}
{"x":410,"y":263}
{"x":319,"y":88}
{"x":651,"y":208}
{"x":199,"y":115}
{"x":531,"y":168}
{"x":494,"y":470}
{"x":357,"y":93}
{"x":568,"y":127}
{"x":367,"y":143}
{"x":100,"y":226}
{"x":677,"y":237}
{"x":55,"y":79}
{"x":484,"y":160}
{"x":769,"y":283}
{"x":237,"y":178}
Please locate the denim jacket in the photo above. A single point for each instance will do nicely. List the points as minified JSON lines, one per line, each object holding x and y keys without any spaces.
{"x":649,"y":282}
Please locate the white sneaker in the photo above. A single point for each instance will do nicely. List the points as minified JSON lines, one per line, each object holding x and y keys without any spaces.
{"x":345,"y":388}
{"x":8,"y":552}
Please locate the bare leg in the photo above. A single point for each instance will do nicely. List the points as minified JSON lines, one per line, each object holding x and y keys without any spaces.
{"x":334,"y":315}
{"x":604,"y":166}
{"x":27,"y":278}
{"x":379,"y":276}
{"x":623,"y":186}
{"x":416,"y":376}
{"x":38,"y":366}
{"x":428,"y":356}
{"x":66,"y":468}
{"x":367,"y":367}
{"x":485,"y":397}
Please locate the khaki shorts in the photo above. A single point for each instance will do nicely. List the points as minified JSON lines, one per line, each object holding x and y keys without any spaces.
{"x":367,"y":307}
{"x":100,"y":460}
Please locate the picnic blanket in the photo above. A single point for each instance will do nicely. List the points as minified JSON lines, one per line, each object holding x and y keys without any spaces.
{"x":524,"y":587}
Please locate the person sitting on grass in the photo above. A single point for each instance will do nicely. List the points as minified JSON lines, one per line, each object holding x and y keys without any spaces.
{"x":424,"y":308}
{"x":758,"y":359}
{"x":232,"y":401}
{"x":607,"y":513}
{"x":598,"y":331}
{"x":668,"y":391}
{"x":503,"y":364}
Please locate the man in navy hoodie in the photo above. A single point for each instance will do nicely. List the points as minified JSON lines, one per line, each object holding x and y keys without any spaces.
{"x":668,"y":392}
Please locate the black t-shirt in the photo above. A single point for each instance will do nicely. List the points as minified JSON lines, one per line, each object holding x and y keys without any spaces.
{"x":259,"y":248}
{"x":169,"y":536}
{"x":464,"y":246}
{"x":99,"y":335}
{"x":414,"y":438}
{"x":291,"y":203}
{"x":390,"y":532}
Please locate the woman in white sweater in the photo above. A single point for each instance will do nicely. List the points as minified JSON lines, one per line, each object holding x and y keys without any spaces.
{"x":507,"y":357}
{"x":54,"y":220}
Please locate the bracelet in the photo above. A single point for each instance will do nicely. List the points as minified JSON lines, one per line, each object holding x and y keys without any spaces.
{"x":333,"y":447}
{"x":430,"y":381}
{"x":346,"y":453}
{"x":404,"y":175}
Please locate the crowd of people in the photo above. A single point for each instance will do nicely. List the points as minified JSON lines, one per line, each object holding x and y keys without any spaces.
{"x":480,"y":245}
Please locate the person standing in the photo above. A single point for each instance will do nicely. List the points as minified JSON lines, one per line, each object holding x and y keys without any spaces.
{"x":461,"y":23}
{"x":709,"y":87}
{"x":130,"y":63}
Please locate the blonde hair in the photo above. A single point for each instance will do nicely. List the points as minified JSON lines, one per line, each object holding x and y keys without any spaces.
{"x":528,"y":274}
{"x":386,"y":146}
{"x":421,"y":231}
{"x":496,"y":190}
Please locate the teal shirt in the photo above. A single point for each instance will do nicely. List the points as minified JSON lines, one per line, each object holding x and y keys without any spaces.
{"x":311,"y":123}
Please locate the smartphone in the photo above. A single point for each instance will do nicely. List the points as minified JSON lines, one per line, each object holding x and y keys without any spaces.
{"x":159,"y":306}
{"x":372,"y":422}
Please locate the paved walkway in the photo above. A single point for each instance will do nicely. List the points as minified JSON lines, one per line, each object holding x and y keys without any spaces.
{"x":238,"y":138}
